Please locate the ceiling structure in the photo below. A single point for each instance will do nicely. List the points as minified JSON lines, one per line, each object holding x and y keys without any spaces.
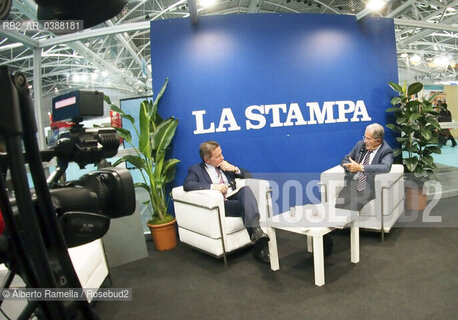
{"x":116,"y":54}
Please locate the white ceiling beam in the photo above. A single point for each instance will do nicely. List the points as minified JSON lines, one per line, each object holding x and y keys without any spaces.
{"x":253,"y":6}
{"x":429,"y":27}
{"x":16,"y":36}
{"x":131,"y":49}
{"x":103,"y":64}
{"x":91,"y":33}
{"x":400,"y":9}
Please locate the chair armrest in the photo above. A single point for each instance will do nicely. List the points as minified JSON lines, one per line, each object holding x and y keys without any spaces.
{"x":201,"y":211}
{"x":209,"y":199}
{"x":389,"y":189}
{"x":386,"y":180}
{"x":330,"y":183}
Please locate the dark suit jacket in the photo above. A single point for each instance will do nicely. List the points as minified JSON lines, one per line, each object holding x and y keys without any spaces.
{"x":199,"y":179}
{"x":380,"y":164}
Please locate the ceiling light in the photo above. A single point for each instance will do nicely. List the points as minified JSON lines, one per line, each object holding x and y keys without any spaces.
{"x":104,"y":74}
{"x":375,"y":5}
{"x":441,"y":61}
{"x":404,"y":55}
{"x":207,"y":3}
{"x":415,"y":59}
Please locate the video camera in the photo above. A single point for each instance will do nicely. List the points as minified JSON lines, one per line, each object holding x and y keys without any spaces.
{"x":41,"y":225}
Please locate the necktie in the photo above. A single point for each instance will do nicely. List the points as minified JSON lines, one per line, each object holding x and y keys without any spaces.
{"x":362,"y":176}
{"x":220,"y":175}
{"x":221,"y":179}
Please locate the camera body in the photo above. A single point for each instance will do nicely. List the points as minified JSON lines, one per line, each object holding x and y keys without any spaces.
{"x":85,"y":206}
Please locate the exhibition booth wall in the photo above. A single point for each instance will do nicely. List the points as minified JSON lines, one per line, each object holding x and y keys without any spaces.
{"x":286,"y":95}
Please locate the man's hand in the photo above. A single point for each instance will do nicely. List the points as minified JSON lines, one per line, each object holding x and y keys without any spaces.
{"x":353,"y":166}
{"x":226,"y":166}
{"x":220,"y":187}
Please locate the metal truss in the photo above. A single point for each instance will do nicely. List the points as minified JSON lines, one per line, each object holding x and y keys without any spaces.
{"x":116,"y":53}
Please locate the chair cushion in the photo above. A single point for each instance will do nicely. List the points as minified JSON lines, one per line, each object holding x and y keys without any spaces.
{"x":233,"y":224}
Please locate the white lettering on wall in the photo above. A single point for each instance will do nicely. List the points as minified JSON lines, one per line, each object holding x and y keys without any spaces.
{"x":252,"y":116}
{"x":284,"y":115}
{"x":294,"y":113}
{"x":360,"y":110}
{"x":199,"y":114}
{"x":324,"y":115}
{"x":227,"y":118}
{"x":276,"y":121}
{"x":343,"y":110}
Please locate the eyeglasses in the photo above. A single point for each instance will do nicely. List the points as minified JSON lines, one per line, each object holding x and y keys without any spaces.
{"x":366,"y":138}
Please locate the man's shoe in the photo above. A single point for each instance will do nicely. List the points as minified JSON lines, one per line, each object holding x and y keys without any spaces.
{"x":258,"y":234}
{"x":261,"y":253}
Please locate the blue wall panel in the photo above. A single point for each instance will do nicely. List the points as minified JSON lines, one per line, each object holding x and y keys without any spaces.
{"x":236,"y":61}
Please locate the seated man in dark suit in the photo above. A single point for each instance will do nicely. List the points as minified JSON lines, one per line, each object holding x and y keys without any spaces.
{"x":368,"y":157}
{"x":217,"y":174}
{"x":445,"y":116}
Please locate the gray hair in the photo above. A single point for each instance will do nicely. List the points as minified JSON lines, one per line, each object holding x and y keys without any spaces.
{"x":206,"y":149}
{"x":377,"y":130}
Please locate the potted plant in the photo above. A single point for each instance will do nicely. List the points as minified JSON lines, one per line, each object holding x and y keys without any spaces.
{"x":417,"y":123}
{"x":154,"y":138}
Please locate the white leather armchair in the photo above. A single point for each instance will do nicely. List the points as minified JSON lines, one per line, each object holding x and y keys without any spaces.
{"x":203,"y":225}
{"x":90,"y":263}
{"x":380,"y":213}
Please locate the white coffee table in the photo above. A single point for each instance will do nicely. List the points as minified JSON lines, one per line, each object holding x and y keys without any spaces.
{"x":314,"y":227}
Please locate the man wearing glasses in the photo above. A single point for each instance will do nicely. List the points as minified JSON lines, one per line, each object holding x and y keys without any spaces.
{"x":370,"y":156}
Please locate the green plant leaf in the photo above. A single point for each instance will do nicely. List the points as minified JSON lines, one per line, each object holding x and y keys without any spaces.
{"x":397,"y":152}
{"x":136,"y":161}
{"x":428,"y":160}
{"x":433,"y":122}
{"x":411,"y":163}
{"x":393,"y":109}
{"x":426,"y":134}
{"x":414,"y":116}
{"x":433,"y":97}
{"x":396,"y":87}
{"x":116,"y":109}
{"x":393,"y":127}
{"x":107,"y":99}
{"x":414,"y":88}
{"x":142,"y":185}
{"x":402,"y":139}
{"x":124,"y":133}
{"x":157,"y":119}
{"x":435,"y":149}
{"x":413,"y":106}
{"x":128,"y":117}
{"x":143,"y":139}
{"x":161,"y":93}
{"x":401,"y":119}
{"x":169,"y":169}
{"x":164,"y":133}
